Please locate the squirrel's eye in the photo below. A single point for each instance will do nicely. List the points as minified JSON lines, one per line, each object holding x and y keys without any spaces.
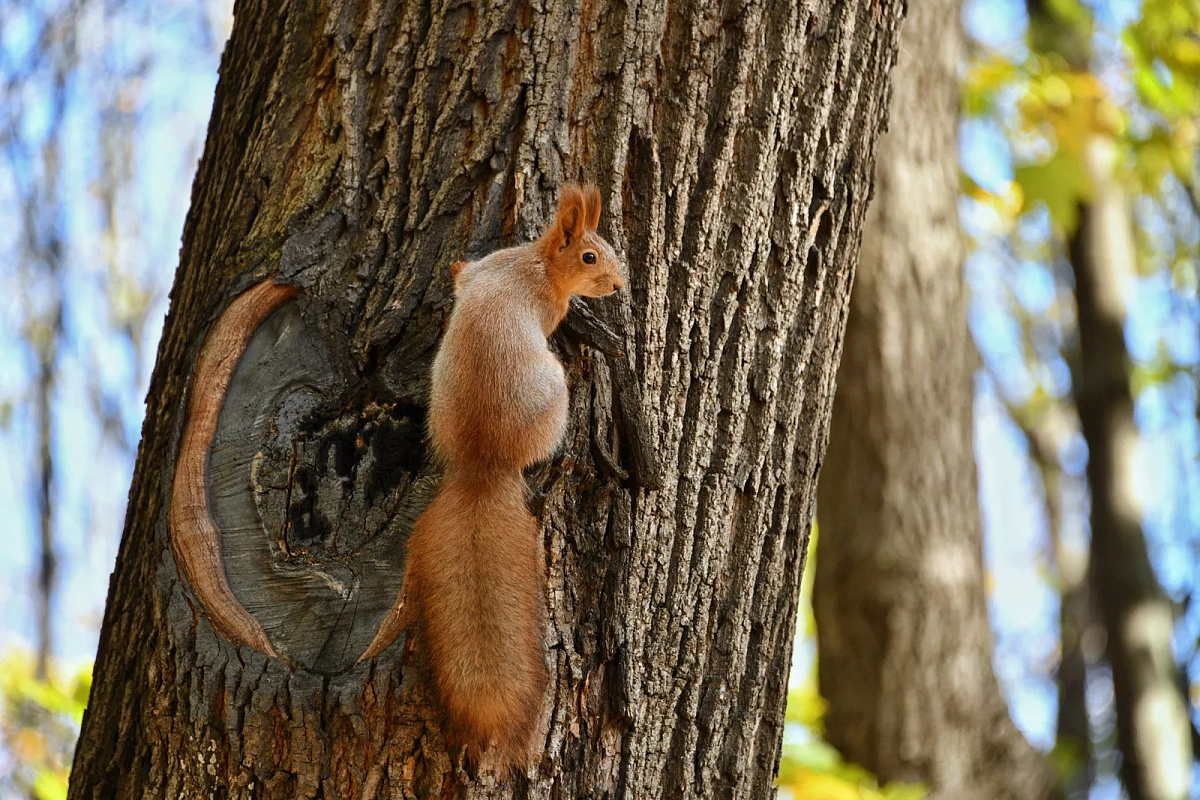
{"x":589,"y":257}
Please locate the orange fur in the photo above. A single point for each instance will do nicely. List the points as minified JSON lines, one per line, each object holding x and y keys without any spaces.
{"x":475,"y":588}
{"x":499,"y":399}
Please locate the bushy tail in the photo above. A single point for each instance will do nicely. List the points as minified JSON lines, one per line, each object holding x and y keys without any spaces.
{"x":474,"y":580}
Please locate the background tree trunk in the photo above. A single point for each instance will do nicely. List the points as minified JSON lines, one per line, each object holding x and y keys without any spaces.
{"x":1153,"y":727}
{"x":356,"y":149}
{"x":904,"y":645}
{"x":1076,"y":616}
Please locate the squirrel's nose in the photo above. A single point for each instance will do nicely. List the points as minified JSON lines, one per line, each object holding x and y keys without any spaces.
{"x":618,"y":283}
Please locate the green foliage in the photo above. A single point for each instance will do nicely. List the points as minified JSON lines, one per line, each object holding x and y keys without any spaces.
{"x":1064,"y":107}
{"x":39,"y":722}
{"x":1067,"y":758}
{"x":1164,"y":54}
{"x":1164,"y":61}
{"x":987,"y":78}
{"x":814,"y":770}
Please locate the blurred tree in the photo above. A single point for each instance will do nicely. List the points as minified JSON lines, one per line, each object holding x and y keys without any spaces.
{"x":355,"y":150}
{"x":811,"y":768}
{"x":78,"y":277}
{"x":34,"y":160}
{"x":1047,"y":427}
{"x":904,"y":645}
{"x":1153,"y":725}
{"x":81,"y":291}
{"x":1103,"y":135}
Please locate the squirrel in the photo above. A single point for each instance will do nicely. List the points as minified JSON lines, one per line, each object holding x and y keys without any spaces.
{"x":474,"y":583}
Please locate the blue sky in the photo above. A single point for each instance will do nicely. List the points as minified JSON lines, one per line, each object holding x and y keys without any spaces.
{"x":173,"y":98}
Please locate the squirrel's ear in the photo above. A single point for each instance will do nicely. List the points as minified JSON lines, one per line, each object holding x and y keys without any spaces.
{"x":456,"y":268}
{"x":570,"y":217}
{"x":591,"y":205}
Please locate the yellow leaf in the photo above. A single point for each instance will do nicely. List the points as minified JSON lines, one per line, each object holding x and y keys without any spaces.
{"x":809,"y":784}
{"x":50,"y":785}
{"x":806,"y":707}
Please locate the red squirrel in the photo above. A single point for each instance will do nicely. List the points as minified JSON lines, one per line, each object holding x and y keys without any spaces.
{"x":474,"y":583}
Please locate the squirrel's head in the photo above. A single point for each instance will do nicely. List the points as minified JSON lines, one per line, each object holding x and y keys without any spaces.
{"x":578,"y":260}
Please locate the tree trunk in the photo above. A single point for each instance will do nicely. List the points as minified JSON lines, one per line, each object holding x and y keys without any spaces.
{"x":1153,"y":726}
{"x":904,"y":646}
{"x":1047,"y":428}
{"x":1076,"y":621}
{"x":356,"y":149}
{"x":47,"y":377}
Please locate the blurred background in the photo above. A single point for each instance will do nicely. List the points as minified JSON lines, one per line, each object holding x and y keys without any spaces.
{"x":103,"y":111}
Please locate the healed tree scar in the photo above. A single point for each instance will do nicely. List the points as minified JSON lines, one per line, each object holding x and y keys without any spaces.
{"x":395,"y":622}
{"x":195,"y":537}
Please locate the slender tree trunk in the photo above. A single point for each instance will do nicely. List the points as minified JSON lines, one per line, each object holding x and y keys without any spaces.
{"x":1153,"y":726}
{"x":1047,"y":436}
{"x":904,"y":645}
{"x":355,"y":150}
{"x":45,"y":246}
{"x":47,"y":562}
{"x":1077,"y":622}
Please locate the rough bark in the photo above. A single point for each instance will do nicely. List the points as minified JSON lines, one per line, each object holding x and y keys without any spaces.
{"x":356,"y":149}
{"x":1153,"y":726}
{"x":904,"y":645}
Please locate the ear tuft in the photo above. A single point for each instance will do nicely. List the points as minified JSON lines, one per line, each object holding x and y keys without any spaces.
{"x":455,"y":270}
{"x":591,"y":206}
{"x":571,"y":212}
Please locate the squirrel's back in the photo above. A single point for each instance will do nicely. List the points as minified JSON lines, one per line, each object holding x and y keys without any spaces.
{"x":474,"y":583}
{"x":499,"y":395}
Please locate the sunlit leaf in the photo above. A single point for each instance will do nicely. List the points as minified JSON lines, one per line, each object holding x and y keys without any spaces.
{"x":806,"y":707}
{"x":1060,"y":184}
{"x":985,"y":79}
{"x":1146,"y":375}
{"x":1066,"y":757}
{"x":39,"y":722}
{"x":810,"y":784}
{"x":50,"y":785}
{"x":1164,"y":55}
{"x":816,"y":770}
